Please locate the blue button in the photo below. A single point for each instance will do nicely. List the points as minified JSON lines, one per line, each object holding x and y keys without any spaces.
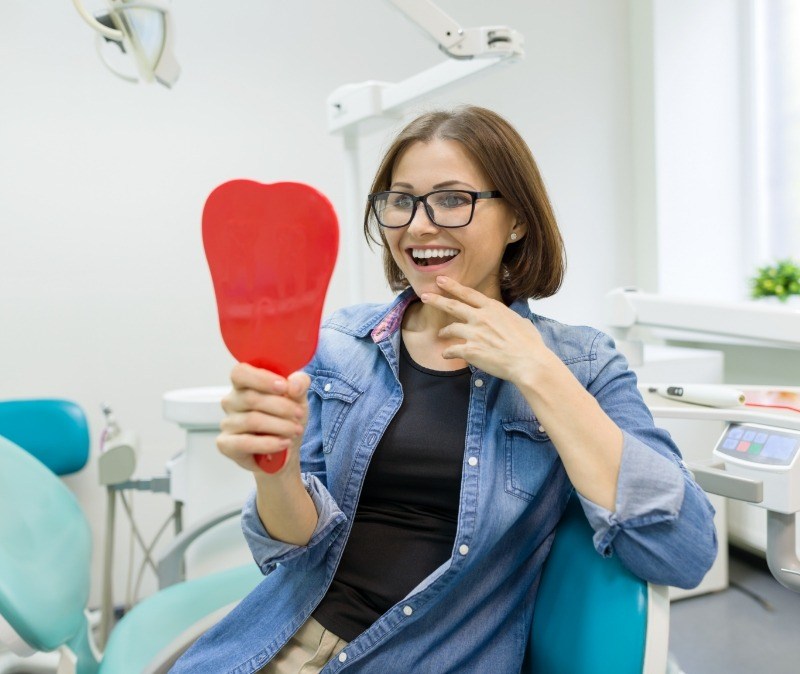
{"x":749,"y":436}
{"x":730,"y":443}
{"x":761,"y":438}
{"x":780,"y":448}
{"x":735,"y":432}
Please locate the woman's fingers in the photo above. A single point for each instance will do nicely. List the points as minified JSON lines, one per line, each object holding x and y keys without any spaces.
{"x":258,"y":423}
{"x":243,"y":448}
{"x":457,"y":309}
{"x":464,"y":304}
{"x":298,"y":383}
{"x":264,"y":413}
{"x":246,"y":400}
{"x":244,"y":376}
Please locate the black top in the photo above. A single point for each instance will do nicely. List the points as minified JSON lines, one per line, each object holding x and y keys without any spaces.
{"x":405,"y":522}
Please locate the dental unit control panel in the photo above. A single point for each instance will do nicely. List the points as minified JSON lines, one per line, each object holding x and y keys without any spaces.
{"x":766,"y":453}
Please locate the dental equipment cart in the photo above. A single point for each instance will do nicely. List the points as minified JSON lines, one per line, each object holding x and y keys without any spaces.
{"x":756,"y":460}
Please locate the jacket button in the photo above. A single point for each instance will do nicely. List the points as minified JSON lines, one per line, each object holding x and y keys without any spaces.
{"x":327,"y":387}
{"x":408,"y":610}
{"x":479,"y":382}
{"x":342,"y":656}
{"x":472,"y":461}
{"x":463,"y":549}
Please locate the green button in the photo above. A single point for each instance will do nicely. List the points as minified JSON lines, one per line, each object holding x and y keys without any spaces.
{"x":755,"y":448}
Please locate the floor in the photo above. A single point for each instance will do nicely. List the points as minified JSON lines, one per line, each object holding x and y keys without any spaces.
{"x":750,"y":628}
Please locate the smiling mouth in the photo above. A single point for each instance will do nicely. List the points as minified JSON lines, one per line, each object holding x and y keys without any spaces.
{"x":432,"y":256}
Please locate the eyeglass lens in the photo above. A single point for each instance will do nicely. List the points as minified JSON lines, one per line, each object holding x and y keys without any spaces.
{"x":447,"y":208}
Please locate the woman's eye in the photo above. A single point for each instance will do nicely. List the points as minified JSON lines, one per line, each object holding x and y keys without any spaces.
{"x":452,"y":199}
{"x":401,"y":201}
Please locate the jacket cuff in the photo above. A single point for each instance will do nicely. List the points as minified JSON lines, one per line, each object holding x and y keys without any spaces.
{"x":650,"y":489}
{"x":268,"y":552}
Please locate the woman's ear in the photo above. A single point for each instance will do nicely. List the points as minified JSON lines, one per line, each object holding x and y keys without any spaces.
{"x":518,"y":231}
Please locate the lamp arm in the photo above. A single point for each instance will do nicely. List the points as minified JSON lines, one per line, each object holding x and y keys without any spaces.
{"x":458,"y":42}
{"x":434,"y":21}
{"x":105,"y":31}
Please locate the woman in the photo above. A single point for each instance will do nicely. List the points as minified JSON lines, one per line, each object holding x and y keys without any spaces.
{"x":433,"y":443}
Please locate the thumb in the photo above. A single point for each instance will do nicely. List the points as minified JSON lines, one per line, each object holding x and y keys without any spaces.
{"x":298,"y":385}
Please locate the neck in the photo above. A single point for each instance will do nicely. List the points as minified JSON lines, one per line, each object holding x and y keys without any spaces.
{"x":421,"y":317}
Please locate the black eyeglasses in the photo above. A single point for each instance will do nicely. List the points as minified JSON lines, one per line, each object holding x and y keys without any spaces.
{"x":445,"y":208}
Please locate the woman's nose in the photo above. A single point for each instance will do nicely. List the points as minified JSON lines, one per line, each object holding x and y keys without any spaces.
{"x":421,"y":223}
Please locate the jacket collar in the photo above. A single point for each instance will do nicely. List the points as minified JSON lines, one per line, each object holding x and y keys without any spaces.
{"x":384,"y":323}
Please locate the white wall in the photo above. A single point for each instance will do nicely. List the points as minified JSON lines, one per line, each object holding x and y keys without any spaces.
{"x":693,"y":178}
{"x":104,"y":289}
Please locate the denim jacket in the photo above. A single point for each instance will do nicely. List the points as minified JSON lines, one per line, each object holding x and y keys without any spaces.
{"x":473,"y":614}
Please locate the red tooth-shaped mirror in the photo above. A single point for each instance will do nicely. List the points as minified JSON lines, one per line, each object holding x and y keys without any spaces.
{"x":271,"y":249}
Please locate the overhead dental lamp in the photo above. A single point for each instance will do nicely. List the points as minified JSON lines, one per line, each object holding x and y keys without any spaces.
{"x":470,"y":50}
{"x":135,"y":40}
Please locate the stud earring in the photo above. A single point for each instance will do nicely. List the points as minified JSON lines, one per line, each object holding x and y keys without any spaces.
{"x":513,"y":236}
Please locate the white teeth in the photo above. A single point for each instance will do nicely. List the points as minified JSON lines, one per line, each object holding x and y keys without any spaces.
{"x":433,"y":252}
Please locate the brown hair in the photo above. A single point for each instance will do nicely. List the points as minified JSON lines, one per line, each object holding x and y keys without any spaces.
{"x":533,"y":266}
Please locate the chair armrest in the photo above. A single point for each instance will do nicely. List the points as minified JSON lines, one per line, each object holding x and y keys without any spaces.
{"x":169,"y":655}
{"x":170,"y":564}
{"x":656,"y":649}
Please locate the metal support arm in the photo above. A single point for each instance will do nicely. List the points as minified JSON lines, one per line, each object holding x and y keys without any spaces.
{"x":170,"y":565}
{"x":782,"y":549}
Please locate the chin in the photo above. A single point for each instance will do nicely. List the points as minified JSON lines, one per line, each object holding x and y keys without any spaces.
{"x":426,"y":287}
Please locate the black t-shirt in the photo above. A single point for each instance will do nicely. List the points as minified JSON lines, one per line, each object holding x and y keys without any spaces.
{"x":405,"y":522}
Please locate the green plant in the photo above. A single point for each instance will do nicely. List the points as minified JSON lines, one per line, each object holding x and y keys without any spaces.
{"x":779,"y":280}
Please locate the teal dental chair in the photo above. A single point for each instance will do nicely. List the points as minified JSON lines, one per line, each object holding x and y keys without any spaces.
{"x":592,"y":615}
{"x":55,"y":431}
{"x":45,"y":555}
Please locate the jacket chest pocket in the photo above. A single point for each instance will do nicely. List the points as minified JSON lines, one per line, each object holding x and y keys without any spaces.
{"x":337,"y":396}
{"x":529,"y":455}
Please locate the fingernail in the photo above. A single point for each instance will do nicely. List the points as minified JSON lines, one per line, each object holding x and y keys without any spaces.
{"x":441,"y":280}
{"x":280,"y":386}
{"x":424,"y":297}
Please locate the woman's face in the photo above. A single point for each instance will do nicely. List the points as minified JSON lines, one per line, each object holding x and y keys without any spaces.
{"x":472,"y":253}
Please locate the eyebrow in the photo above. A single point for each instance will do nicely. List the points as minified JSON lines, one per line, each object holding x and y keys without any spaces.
{"x":437,"y":186}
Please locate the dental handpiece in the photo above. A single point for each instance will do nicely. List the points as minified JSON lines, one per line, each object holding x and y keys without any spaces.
{"x":700,"y":394}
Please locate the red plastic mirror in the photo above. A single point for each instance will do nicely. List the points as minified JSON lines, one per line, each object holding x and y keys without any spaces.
{"x":271,"y":251}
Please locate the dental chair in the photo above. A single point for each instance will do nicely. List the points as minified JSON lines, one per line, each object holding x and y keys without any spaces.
{"x":55,"y":431}
{"x":45,"y":555}
{"x":592,"y":615}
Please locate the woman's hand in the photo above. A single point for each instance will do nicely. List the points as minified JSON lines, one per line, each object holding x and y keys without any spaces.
{"x":495,"y":339}
{"x":265,"y":413}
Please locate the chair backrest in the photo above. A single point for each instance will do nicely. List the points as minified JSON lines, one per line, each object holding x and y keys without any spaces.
{"x":45,"y":554}
{"x":54,"y":431}
{"x":591,"y":613}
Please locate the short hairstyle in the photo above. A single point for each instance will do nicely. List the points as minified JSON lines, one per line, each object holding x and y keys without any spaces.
{"x":535,"y":265}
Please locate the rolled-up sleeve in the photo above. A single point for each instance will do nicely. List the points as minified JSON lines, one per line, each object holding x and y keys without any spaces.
{"x":650,"y":490}
{"x":268,"y":552}
{"x":662,"y":526}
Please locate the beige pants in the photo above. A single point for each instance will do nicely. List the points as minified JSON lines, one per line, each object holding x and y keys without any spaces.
{"x":307,"y":652}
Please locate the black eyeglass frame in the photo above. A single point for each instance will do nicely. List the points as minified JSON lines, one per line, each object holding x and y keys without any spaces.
{"x":489,"y":194}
